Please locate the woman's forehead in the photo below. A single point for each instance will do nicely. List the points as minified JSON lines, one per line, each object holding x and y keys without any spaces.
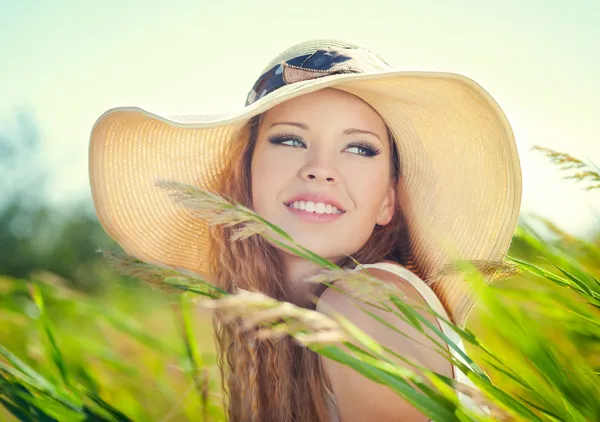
{"x":327,"y":106}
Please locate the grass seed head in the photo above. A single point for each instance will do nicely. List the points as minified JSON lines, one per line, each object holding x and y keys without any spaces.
{"x":273,"y":319}
{"x":492,"y":271}
{"x":356,"y":284}
{"x":582,"y":171}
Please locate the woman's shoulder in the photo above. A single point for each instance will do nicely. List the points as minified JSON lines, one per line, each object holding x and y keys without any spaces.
{"x":405,"y":280}
{"x":349,"y":387}
{"x":343,"y":303}
{"x":408,"y":283}
{"x":411,"y":289}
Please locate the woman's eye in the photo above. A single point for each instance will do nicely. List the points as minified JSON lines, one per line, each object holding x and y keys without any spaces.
{"x":287,"y":141}
{"x":365,"y":150}
{"x":292,"y":142}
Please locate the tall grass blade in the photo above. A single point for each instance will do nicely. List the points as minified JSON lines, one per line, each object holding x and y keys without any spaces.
{"x":55,"y":352}
{"x":183,"y":314}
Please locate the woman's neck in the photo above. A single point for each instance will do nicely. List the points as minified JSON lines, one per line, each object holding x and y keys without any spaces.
{"x":299,"y":291}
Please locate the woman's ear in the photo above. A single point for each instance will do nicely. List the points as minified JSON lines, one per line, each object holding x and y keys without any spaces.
{"x":388,"y":206}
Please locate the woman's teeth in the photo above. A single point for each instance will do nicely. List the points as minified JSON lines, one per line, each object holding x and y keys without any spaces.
{"x":316,"y":207}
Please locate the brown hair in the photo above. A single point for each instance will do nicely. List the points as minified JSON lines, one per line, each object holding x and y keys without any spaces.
{"x":266,"y":380}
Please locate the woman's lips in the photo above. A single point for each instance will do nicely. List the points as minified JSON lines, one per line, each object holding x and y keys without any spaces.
{"x":315,"y":198}
{"x":313,"y":217}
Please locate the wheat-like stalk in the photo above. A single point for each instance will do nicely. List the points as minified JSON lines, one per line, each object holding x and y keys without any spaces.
{"x":492,"y":271}
{"x":565,"y":238}
{"x":274,"y":319}
{"x":217,"y":210}
{"x":580,"y":170}
{"x":159,"y":277}
{"x":128,"y":265}
{"x":214,"y":208}
{"x":356,"y":284}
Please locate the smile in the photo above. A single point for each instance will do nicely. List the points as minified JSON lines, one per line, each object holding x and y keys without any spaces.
{"x":314,"y":207}
{"x":314,"y":212}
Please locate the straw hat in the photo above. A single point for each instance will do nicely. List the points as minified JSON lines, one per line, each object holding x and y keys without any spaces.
{"x":460,"y":185}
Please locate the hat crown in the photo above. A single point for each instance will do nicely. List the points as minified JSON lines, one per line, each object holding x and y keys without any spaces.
{"x":311,"y":46}
{"x":314,"y":59}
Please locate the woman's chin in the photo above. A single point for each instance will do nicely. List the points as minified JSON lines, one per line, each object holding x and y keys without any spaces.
{"x":322,"y":247}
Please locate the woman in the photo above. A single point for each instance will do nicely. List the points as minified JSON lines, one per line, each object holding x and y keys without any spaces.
{"x":402,"y":170}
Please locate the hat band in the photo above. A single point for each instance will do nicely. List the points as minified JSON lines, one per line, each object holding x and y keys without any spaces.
{"x":323,"y":62}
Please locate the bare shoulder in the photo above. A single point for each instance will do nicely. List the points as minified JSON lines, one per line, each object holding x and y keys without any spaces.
{"x":333,"y":300}
{"x":358,"y":398}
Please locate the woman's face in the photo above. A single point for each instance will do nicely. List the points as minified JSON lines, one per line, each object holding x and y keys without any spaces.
{"x":321,"y":171}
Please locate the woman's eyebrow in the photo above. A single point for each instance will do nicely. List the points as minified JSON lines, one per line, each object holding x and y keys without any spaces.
{"x":360,"y":131}
{"x":351,"y":131}
{"x":299,"y":125}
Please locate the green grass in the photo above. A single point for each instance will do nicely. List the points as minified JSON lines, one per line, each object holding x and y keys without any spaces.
{"x":135,"y":353}
{"x":127,"y":347}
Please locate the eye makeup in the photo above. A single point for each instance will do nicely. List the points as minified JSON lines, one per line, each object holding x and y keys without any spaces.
{"x":365,"y":149}
{"x":281,"y":138}
{"x":369,"y":150}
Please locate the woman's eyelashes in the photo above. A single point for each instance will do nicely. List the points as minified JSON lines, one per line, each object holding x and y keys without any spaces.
{"x":365,"y":149}
{"x":287,"y":140}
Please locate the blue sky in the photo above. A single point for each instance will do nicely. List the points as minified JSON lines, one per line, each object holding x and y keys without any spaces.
{"x":69,"y":61}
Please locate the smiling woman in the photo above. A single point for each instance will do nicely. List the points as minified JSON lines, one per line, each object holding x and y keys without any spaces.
{"x":323,"y":162}
{"x":358,"y":163}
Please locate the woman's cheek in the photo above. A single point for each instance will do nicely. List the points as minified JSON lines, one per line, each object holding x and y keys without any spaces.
{"x":286,"y":167}
{"x":265,"y":166}
{"x":365,"y":181}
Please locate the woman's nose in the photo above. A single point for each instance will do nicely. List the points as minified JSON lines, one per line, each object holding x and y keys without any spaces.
{"x":319,"y":168}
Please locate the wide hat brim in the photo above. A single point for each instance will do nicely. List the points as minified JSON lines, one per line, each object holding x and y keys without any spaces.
{"x":460,"y":186}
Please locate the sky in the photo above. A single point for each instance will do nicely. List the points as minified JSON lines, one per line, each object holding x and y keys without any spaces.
{"x":69,"y":61}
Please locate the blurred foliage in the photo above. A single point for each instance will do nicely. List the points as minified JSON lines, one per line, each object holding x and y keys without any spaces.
{"x":125,"y":347}
{"x":33,"y":235}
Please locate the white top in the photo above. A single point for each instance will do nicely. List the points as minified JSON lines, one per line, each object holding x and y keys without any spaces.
{"x":434,"y":302}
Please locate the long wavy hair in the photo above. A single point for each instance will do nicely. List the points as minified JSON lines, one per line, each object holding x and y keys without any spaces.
{"x":267,"y":380}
